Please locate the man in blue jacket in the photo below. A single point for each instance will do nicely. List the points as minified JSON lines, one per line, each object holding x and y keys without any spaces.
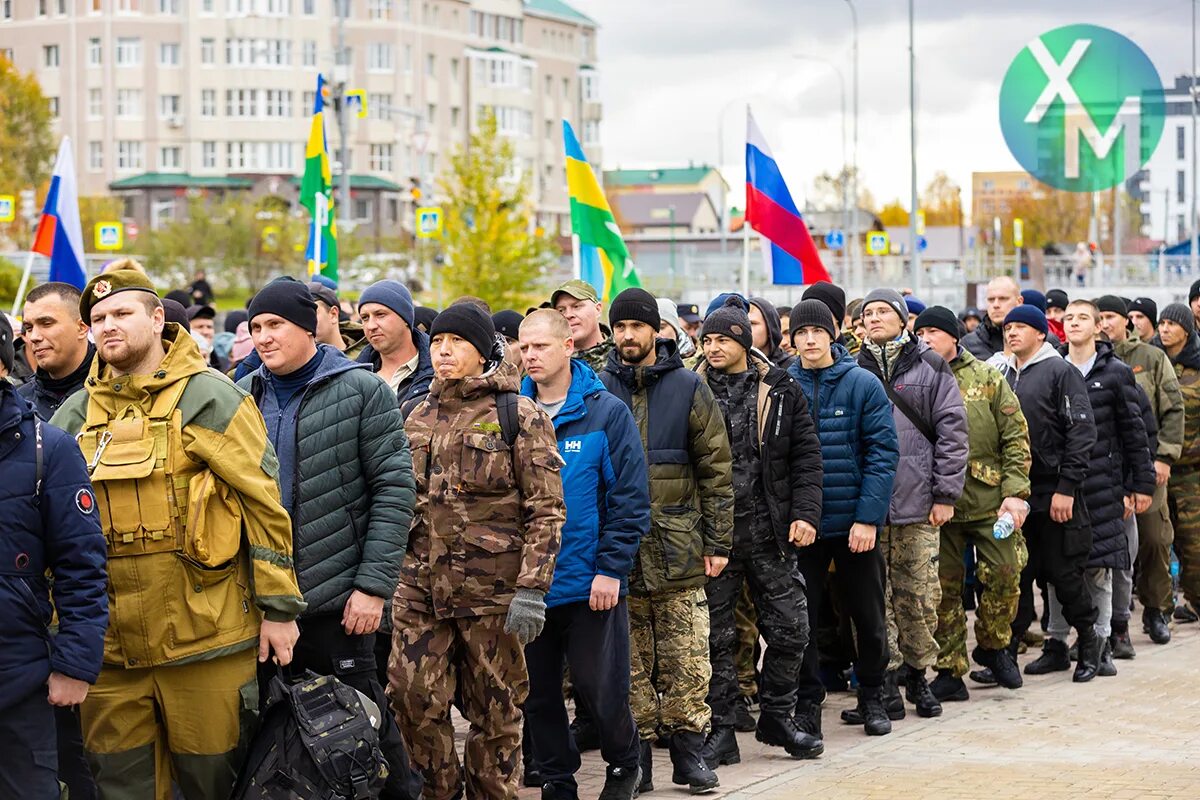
{"x":49,"y":523}
{"x":859,"y":453}
{"x":606,"y":489}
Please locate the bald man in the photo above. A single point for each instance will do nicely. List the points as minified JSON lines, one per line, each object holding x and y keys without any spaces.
{"x":1003,"y":295}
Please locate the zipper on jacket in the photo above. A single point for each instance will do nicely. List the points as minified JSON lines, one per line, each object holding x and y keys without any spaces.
{"x":1067,"y":405}
{"x":816,"y":404}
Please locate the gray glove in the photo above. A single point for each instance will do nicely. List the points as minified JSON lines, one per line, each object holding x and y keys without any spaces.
{"x":526,"y":615}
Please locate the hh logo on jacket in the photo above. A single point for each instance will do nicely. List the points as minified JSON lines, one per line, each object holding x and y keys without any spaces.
{"x":572,"y":445}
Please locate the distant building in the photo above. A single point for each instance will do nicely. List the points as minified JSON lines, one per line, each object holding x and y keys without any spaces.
{"x":666,"y":213}
{"x":1164,"y":186}
{"x":992,"y":194}
{"x":669,"y":180}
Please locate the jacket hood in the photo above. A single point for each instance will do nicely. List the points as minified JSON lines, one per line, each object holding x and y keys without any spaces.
{"x":498,"y":376}
{"x":182,"y":361}
{"x":667,"y":358}
{"x":775,"y":354}
{"x":1189,"y":356}
{"x":584,"y":384}
{"x":1047,"y":352}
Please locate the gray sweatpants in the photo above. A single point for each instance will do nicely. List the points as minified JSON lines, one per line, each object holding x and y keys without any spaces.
{"x":1123,"y":578}
{"x":1099,"y":583}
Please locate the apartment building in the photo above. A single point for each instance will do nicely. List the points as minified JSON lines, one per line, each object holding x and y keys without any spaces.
{"x":167,"y":98}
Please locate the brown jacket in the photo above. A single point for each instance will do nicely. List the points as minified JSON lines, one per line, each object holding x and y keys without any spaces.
{"x":488,"y":520}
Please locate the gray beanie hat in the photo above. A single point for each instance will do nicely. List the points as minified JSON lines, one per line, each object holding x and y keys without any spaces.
{"x":1181,"y":315}
{"x":892,"y":298}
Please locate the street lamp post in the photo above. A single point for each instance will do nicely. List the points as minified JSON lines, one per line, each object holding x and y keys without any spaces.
{"x":855,"y":245}
{"x":1195,"y":250}
{"x":912,"y":121}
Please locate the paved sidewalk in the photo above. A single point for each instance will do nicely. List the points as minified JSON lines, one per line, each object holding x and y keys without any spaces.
{"x":1136,"y":735}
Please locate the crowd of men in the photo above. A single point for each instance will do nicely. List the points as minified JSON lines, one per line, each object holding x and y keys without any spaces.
{"x":666,"y":518}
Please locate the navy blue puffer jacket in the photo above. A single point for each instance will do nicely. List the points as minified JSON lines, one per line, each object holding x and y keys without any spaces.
{"x":55,"y":528}
{"x":859,"y":449}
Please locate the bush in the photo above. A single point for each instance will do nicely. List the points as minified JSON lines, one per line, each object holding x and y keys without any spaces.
{"x":10,"y":280}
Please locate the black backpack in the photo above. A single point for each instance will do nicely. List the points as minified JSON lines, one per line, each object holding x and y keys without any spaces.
{"x":318,"y":740}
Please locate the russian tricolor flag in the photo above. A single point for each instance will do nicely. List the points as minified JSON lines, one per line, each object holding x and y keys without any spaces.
{"x":788,"y":249}
{"x":59,"y":235}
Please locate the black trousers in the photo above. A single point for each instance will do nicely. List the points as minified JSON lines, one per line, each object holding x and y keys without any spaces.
{"x":859,"y":580}
{"x":779,"y":598}
{"x":595,"y":645}
{"x":1057,"y":554}
{"x":326,"y":649}
{"x":73,"y":769}
{"x":29,"y":750}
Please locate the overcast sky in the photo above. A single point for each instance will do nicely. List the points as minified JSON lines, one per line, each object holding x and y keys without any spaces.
{"x":670,"y":67}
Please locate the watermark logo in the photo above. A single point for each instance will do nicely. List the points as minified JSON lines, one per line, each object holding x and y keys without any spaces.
{"x":1081,"y":108}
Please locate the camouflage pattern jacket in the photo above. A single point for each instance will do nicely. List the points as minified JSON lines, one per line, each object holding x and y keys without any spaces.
{"x":1187,"y":370}
{"x":1154,"y":373}
{"x":998,"y":459}
{"x":597,"y":355}
{"x":488,"y":519}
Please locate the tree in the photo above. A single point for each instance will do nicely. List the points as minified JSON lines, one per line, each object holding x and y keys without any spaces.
{"x":894,"y":214}
{"x":827,"y":190}
{"x":492,"y":249}
{"x":99,"y":208}
{"x":26,"y":138}
{"x":942,"y":201}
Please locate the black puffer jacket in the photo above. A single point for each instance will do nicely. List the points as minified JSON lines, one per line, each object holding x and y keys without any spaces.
{"x":1120,"y":459}
{"x":47,"y":394}
{"x":988,"y":339}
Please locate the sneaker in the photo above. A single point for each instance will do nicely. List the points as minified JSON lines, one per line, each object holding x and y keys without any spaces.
{"x":1107,"y":668}
{"x":1001,"y":664}
{"x":1122,"y":646}
{"x":621,"y":783}
{"x":1053,"y":659}
{"x":743,"y":722}
{"x":949,"y":689}
{"x":1185,"y":614}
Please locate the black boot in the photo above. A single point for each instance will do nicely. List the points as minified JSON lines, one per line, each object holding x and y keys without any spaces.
{"x":870,"y":710}
{"x":916,"y":690}
{"x":1185,"y":613}
{"x":1089,"y":655}
{"x":647,"y":759}
{"x":1107,"y":668}
{"x":808,"y":717}
{"x":893,"y":703}
{"x":721,"y":748}
{"x":949,"y":689}
{"x":1002,"y":665}
{"x":1053,"y":659}
{"x":1122,"y":646}
{"x":531,"y":776}
{"x":621,"y":783}
{"x":779,"y":730}
{"x":984,"y":676}
{"x":743,"y":722}
{"x":689,"y":768}
{"x":552,"y":791}
{"x":1154,"y":622}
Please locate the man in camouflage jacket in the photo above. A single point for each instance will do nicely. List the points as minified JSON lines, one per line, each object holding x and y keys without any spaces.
{"x":480,"y":559}
{"x":997,"y":482}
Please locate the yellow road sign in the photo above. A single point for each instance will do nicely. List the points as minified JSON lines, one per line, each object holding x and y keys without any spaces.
{"x":877,"y":243}
{"x":8,"y":208}
{"x":110,"y":235}
{"x":430,"y":222}
{"x":1018,"y":232}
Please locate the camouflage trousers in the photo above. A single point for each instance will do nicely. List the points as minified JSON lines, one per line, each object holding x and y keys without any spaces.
{"x":433,"y":659}
{"x":911,"y":593}
{"x":998,"y":568}
{"x":144,"y":729}
{"x":1185,"y":515}
{"x":671,"y":670}
{"x":1152,"y":569}
{"x":746,"y":655}
{"x":777,"y":591}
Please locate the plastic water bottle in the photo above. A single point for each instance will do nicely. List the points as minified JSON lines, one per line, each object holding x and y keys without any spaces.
{"x":1004,"y":526}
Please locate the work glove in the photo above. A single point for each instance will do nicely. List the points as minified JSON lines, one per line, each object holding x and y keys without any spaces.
{"x":526,"y":615}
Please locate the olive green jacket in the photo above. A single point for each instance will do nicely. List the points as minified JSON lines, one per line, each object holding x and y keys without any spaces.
{"x":1153,"y":371}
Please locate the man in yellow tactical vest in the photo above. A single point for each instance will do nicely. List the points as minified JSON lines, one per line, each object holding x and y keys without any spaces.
{"x":199,"y":552}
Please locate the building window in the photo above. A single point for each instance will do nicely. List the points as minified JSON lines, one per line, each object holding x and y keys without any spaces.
{"x":1180,"y":186}
{"x":52,"y":104}
{"x":208,"y":51}
{"x":381,"y":158}
{"x":278,"y":52}
{"x":168,"y":54}
{"x":206,"y":6}
{"x":95,"y":53}
{"x":454,"y":69}
{"x":276,"y":8}
{"x":430,"y":65}
{"x":208,"y":102}
{"x":241,"y":102}
{"x":170,"y":158}
{"x":379,"y":9}
{"x":496,"y":27}
{"x":278,"y":103}
{"x":50,"y":55}
{"x":362,"y":209}
{"x":309,"y":102}
{"x":95,"y":103}
{"x":6,"y":7}
{"x":208,"y":155}
{"x":95,"y":156}
{"x":455,"y":116}
{"x":310,"y":7}
{"x":431,"y":114}
{"x":379,"y":106}
{"x":380,"y":57}
{"x":591,"y":131}
{"x":129,"y":155}
{"x":169,"y":106}
{"x":309,"y":53}
{"x":566,"y":86}
{"x":408,"y":58}
{"x":510,"y":121}
{"x":168,"y":7}
{"x":129,"y":52}
{"x":128,"y":6}
{"x":1181,"y":143}
{"x":589,"y":85}
{"x":129,"y":103}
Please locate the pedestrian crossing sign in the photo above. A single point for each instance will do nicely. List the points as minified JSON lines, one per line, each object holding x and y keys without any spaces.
{"x":877,"y":243}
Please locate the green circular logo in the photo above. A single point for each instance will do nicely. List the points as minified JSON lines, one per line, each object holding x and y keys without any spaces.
{"x":1081,"y":108}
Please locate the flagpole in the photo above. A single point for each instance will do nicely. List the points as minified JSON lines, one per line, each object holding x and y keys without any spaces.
{"x":24,"y":282}
{"x":576,"y":261}
{"x":745,"y":255}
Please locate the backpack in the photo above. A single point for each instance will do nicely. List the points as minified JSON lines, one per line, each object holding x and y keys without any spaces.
{"x":506,"y":410}
{"x":318,"y":740}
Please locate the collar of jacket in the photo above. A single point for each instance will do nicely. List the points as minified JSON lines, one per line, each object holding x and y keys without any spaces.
{"x":333,"y":362}
{"x":963,"y":360}
{"x":667,"y":358}
{"x":892,"y":358}
{"x":843,"y":362}
{"x":1105,"y":352}
{"x":46,"y":384}
{"x":1188,"y":357}
{"x":113,"y":393}
{"x":499,"y":376}
{"x":1045,"y":353}
{"x":584,"y":384}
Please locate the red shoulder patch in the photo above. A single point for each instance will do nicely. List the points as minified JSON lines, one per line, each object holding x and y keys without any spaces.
{"x":85,"y":501}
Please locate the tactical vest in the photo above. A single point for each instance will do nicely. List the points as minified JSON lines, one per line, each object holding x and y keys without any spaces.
{"x":179,"y":578}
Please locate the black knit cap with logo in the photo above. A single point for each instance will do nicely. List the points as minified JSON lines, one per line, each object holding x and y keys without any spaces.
{"x":731,"y":320}
{"x":637,"y":305}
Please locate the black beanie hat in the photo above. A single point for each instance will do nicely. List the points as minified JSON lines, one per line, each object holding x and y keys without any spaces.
{"x":8,"y":355}
{"x":508,"y":323}
{"x":1146,"y":306}
{"x":941,"y":318}
{"x":1110,"y":302}
{"x":289,"y":299}
{"x":834,"y":297}
{"x":234,"y":318}
{"x":1057,"y":298}
{"x":635,"y":304}
{"x":730,"y":320}
{"x":811,"y":312}
{"x":1194,"y":291}
{"x":471,"y":323}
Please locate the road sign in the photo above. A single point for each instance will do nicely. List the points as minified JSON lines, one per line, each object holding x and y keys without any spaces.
{"x":358,"y":97}
{"x":109,"y":235}
{"x":430,"y":222}
{"x":877,"y":243}
{"x":8,"y":208}
{"x":131,"y":230}
{"x":922,"y":244}
{"x":270,"y":238}
{"x":835,"y":240}
{"x":1018,"y":232}
{"x":920,"y":223}
{"x":27,"y":208}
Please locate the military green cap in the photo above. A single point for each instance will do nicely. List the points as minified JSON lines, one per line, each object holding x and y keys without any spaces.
{"x":107,"y":284}
{"x":580,"y":290}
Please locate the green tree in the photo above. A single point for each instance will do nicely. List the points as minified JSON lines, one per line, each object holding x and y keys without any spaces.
{"x":491,"y":246}
{"x":26,"y":139}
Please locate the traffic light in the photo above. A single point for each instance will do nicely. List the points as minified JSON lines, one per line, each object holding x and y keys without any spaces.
{"x":415,"y":191}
